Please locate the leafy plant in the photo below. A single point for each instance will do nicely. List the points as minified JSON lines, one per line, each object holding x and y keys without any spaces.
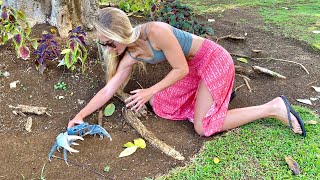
{"x":144,"y":6}
{"x":47,"y":51}
{"x":60,"y":86}
{"x":13,"y":24}
{"x":181,"y":17}
{"x":76,"y":49}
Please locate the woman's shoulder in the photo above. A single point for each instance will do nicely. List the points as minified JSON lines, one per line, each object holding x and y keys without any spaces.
{"x":156,"y":28}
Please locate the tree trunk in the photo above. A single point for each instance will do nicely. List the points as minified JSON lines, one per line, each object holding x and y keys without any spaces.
{"x":64,"y":14}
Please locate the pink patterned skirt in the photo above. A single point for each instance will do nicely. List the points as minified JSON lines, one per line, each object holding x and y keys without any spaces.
{"x":212,"y":64}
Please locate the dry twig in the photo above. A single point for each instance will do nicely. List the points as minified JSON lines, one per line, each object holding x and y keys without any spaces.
{"x":246,"y":81}
{"x":100,"y":116}
{"x":283,"y":60}
{"x":269,"y":72}
{"x":236,"y":89}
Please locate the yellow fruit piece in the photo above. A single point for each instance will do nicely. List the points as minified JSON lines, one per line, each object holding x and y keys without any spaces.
{"x":140,"y":142}
{"x":216,"y":160}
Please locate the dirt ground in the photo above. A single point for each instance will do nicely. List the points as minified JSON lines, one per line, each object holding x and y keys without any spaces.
{"x":24,"y":154}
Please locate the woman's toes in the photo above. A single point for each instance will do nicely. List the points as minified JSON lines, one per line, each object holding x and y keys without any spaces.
{"x":296,"y":128}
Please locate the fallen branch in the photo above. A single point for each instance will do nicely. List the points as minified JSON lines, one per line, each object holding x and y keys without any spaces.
{"x":30,"y":109}
{"x":269,"y":72}
{"x":283,"y":60}
{"x":132,"y":118}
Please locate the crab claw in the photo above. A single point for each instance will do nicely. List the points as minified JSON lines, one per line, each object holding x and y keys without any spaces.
{"x":74,"y":138}
{"x":64,"y":140}
{"x":97,"y":129}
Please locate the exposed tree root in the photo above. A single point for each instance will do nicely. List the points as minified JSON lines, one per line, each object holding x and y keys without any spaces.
{"x":132,"y":118}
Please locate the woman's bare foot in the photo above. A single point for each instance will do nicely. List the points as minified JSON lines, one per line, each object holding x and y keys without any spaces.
{"x":281,"y":113}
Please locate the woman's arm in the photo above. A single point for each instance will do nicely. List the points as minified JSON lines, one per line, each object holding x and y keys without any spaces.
{"x":164,"y":39}
{"x":105,"y":94}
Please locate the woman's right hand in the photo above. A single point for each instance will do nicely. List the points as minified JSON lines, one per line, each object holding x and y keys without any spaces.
{"x":75,"y":121}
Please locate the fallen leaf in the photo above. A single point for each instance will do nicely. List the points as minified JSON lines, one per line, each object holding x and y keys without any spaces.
{"x":316,"y":32}
{"x":128,"y":144}
{"x":53,"y":31}
{"x":305,"y":101}
{"x":140,"y":143}
{"x":243,"y":60}
{"x":28,"y":124}
{"x":106,"y":168}
{"x":109,"y":110}
{"x":128,"y":151}
{"x":316,"y":88}
{"x":311,"y":122}
{"x":293,"y":165}
{"x":216,"y":160}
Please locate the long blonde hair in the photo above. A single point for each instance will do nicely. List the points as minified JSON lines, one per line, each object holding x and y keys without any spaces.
{"x":114,"y":24}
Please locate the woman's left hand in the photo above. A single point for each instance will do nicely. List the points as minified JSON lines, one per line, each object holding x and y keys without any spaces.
{"x":140,"y":97}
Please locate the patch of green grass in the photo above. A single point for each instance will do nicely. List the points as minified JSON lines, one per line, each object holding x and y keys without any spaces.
{"x":257,"y":151}
{"x":296,"y":18}
{"x":298,"y":21}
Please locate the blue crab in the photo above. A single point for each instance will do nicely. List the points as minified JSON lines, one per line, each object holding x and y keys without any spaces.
{"x":86,"y":129}
{"x":66,"y":139}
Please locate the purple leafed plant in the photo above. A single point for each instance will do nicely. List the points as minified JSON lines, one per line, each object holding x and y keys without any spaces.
{"x":13,"y":24}
{"x":47,"y":51}
{"x":76,"y":49}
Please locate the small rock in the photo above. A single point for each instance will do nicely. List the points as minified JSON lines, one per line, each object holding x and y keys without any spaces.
{"x":6,"y":74}
{"x":80,"y":102}
{"x":28,"y":124}
{"x":14,"y":84}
